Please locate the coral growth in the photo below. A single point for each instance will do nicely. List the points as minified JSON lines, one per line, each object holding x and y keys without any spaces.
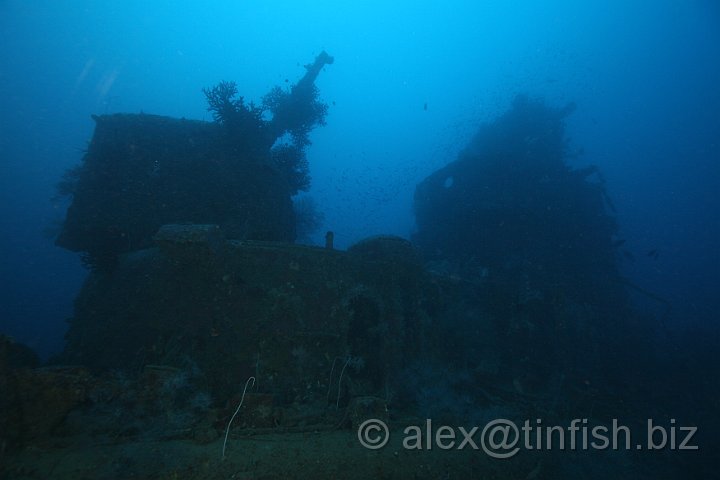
{"x":296,"y":112}
{"x":240,"y":172}
{"x":290,"y":160}
{"x":231,"y":111}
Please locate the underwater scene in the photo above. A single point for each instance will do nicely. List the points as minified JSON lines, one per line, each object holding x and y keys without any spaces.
{"x":360,"y":240}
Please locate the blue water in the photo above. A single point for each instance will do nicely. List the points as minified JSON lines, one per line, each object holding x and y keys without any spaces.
{"x":410,"y":84}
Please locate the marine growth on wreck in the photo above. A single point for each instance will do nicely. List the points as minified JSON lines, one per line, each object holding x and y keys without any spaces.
{"x":240,"y":172}
{"x":202,"y":319}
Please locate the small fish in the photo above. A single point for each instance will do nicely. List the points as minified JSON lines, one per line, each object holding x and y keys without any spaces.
{"x":654,"y":254}
{"x":628,"y":256}
{"x":619,"y":243}
{"x":425,"y":106}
